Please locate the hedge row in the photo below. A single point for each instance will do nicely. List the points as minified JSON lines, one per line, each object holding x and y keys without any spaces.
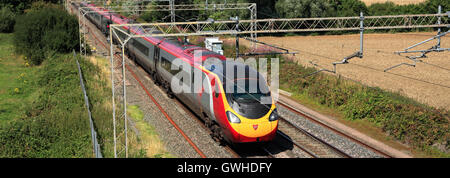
{"x":45,"y":31}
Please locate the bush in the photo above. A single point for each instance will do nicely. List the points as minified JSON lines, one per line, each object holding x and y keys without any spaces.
{"x":45,"y":31}
{"x":304,"y":9}
{"x":7,"y":20}
{"x":349,"y":8}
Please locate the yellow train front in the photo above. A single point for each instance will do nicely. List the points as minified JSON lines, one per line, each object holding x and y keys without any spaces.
{"x":243,"y":104}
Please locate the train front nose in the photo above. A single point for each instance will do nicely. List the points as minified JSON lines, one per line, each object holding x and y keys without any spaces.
{"x":254,"y":130}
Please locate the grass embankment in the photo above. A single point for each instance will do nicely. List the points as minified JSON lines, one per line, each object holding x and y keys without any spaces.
{"x":148,"y":138}
{"x":42,"y":109}
{"x":143,"y":139}
{"x":15,"y":78}
{"x":46,"y":116}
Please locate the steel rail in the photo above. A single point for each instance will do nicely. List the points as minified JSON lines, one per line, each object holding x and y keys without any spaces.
{"x":304,"y":115}
{"x":202,"y":124}
{"x":337,"y":150}
{"x":156,"y":103}
{"x":306,"y":150}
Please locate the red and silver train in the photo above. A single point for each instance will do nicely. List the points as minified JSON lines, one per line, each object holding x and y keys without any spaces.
{"x":236,"y":117}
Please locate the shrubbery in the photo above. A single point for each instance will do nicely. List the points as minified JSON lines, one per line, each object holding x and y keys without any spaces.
{"x":56,"y":123}
{"x":19,"y":6}
{"x":44,"y":31}
{"x":7,"y":20}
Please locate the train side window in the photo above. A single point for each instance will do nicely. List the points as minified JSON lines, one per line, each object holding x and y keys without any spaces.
{"x":167,"y":65}
{"x":142,"y":48}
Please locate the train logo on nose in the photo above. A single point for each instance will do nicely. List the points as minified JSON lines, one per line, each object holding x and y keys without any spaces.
{"x":255,"y":127}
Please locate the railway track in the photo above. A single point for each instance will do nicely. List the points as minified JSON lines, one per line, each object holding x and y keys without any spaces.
{"x":310,"y":144}
{"x":101,"y":42}
{"x":299,"y":138}
{"x":263,"y":152}
{"x":312,"y":119}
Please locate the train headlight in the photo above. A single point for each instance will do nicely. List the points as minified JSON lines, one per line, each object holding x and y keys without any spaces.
{"x":274,"y":115}
{"x":233,"y":118}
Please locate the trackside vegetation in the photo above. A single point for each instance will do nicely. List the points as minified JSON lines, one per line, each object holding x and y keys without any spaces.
{"x":53,"y":122}
{"x":7,"y":20}
{"x":423,"y":127}
{"x":44,"y":31}
{"x":43,"y":114}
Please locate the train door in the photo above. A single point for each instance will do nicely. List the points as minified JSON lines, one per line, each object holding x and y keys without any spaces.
{"x":156,"y":57}
{"x":196,"y":95}
{"x":101,"y":25}
{"x":156,"y":62}
{"x":205,"y":98}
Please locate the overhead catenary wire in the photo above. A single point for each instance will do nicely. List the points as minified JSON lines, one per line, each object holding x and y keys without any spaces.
{"x":362,"y":66}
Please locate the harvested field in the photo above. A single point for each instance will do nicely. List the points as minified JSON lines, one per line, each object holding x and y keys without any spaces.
{"x":400,"y":2}
{"x":428,"y":82}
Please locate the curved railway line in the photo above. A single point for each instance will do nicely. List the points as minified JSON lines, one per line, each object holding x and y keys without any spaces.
{"x":312,"y":119}
{"x":312,"y":145}
{"x":298,"y":137}
{"x":200,"y":153}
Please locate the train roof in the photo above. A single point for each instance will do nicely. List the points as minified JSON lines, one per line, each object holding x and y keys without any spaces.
{"x":219,"y":67}
{"x":173,"y":46}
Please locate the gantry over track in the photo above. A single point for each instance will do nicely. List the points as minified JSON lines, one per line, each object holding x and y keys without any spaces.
{"x":289,"y":25}
{"x":83,"y":11}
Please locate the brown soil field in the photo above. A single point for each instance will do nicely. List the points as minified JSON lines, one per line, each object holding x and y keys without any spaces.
{"x":401,"y":2}
{"x":428,"y":82}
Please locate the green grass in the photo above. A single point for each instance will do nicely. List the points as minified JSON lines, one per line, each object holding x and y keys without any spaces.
{"x":16,"y":82}
{"x":143,"y":143}
{"x":46,"y":116}
{"x":148,"y":138}
{"x":43,"y":113}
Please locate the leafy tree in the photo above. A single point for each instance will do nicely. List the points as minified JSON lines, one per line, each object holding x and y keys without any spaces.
{"x":19,"y":6}
{"x":41,"y":32}
{"x":304,"y":8}
{"x":7,"y":20}
{"x":349,"y":8}
{"x":431,"y":6}
{"x":153,"y":16}
{"x":266,"y":8}
{"x":387,"y":8}
{"x":222,"y":15}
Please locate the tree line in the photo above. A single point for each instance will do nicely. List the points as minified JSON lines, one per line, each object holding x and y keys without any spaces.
{"x":38,"y":22}
{"x":317,"y":8}
{"x":294,"y":9}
